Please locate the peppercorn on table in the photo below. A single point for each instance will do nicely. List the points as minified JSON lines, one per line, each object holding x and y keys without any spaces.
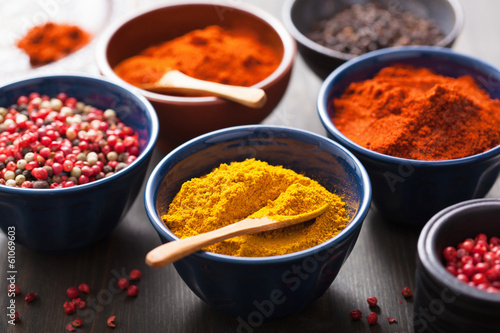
{"x":382,"y":263}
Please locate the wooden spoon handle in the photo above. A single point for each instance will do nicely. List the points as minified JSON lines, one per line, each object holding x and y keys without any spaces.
{"x":175,"y":250}
{"x":175,"y":81}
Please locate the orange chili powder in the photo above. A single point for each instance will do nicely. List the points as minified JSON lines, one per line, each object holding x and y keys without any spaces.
{"x":235,"y":57}
{"x":49,"y":42}
{"x":414,"y":113}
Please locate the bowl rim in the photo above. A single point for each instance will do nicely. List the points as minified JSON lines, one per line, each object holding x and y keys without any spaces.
{"x":148,"y":149}
{"x":289,"y":48}
{"x":155,"y":180}
{"x":393,"y":54}
{"x":287,"y":9}
{"x":429,"y":258}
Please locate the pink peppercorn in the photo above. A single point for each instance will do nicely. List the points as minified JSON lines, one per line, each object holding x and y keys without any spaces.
{"x":478,"y":263}
{"x":372,"y":301}
{"x":70,"y":328}
{"x":77,"y":322}
{"x":30,"y":297}
{"x":406,"y":292}
{"x":84,"y":288}
{"x":78,"y":303}
{"x":132,"y":290}
{"x":135,"y":274}
{"x":355,"y":314}
{"x":372,"y":318}
{"x":123,"y":283}
{"x":69,"y":308}
{"x":72,"y":292}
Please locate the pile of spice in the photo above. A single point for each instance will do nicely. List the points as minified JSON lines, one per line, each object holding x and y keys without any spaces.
{"x":234,"y":57}
{"x":361,"y":28}
{"x":414,"y":113}
{"x":50,"y":42}
{"x":253,"y":188}
{"x":61,"y":142}
{"x":475,"y":261}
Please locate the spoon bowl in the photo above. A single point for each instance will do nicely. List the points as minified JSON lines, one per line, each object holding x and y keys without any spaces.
{"x":174,"y":81}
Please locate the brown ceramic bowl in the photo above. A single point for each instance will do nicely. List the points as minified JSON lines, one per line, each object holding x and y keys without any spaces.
{"x":183,"y":118}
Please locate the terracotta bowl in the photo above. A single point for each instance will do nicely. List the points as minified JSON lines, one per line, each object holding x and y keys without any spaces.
{"x":182,"y":118}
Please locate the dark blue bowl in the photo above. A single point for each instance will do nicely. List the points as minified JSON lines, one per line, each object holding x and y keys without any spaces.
{"x":263,"y":287}
{"x":62,"y":220}
{"x":412,"y":191}
{"x":443,"y":303}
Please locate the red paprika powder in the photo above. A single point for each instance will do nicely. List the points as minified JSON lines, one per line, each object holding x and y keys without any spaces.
{"x":414,"y":113}
{"x":50,"y":42}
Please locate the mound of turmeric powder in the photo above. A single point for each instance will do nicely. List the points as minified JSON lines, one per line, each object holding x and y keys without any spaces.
{"x":233,"y":192}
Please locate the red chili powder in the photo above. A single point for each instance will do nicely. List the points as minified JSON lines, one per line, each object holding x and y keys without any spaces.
{"x":414,"y":113}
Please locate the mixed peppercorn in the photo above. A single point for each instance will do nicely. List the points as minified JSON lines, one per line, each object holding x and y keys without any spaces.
{"x":61,"y":142}
{"x":475,"y":261}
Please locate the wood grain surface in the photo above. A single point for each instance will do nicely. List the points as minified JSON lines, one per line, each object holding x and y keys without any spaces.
{"x":381,"y":264}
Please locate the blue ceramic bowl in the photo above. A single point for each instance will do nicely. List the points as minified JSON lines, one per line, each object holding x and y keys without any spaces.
{"x":262,"y":287}
{"x":443,"y":303}
{"x":62,"y":220}
{"x":300,"y":16}
{"x":412,"y":191}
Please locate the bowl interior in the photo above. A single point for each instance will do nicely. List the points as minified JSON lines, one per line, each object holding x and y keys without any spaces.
{"x":129,"y":107}
{"x":452,"y":226}
{"x":467,"y":221}
{"x":315,"y":156}
{"x":305,"y":14}
{"x":165,"y":23}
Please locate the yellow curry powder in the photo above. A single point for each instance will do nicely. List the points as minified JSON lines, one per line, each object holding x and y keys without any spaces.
{"x":253,"y":188}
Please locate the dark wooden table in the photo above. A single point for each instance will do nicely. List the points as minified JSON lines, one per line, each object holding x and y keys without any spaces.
{"x":381,"y":264}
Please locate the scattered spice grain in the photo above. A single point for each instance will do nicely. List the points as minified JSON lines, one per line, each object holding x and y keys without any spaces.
{"x":30,"y":297}
{"x":111,"y":321}
{"x":132,"y":290}
{"x":72,"y":292}
{"x":84,"y":288}
{"x":135,"y":274}
{"x":372,"y":301}
{"x":123,"y":283}
{"x":372,"y":318}
{"x":355,"y":314}
{"x":406,"y":292}
{"x":77,"y":322}
{"x":70,"y":328}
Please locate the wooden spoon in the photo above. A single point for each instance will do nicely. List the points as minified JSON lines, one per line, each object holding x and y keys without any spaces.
{"x":175,"y":250}
{"x":174,"y":81}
